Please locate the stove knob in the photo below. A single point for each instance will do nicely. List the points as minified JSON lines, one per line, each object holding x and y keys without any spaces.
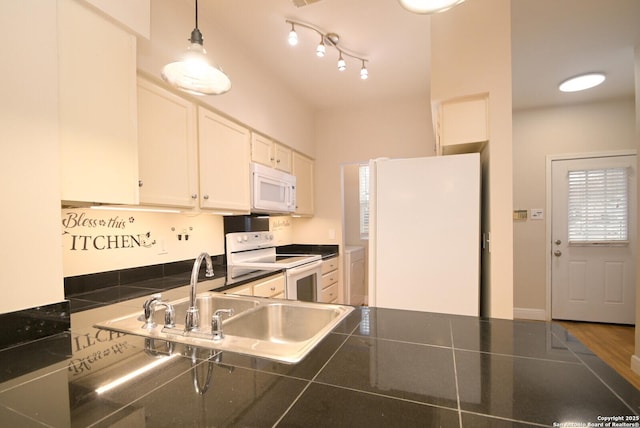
{"x":239,"y":238}
{"x":270,"y":237}
{"x":245,"y":238}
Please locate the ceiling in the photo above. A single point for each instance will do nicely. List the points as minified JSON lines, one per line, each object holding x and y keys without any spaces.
{"x":551,"y":40}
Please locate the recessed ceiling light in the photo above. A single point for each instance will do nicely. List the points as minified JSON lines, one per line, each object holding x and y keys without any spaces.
{"x":582,"y":82}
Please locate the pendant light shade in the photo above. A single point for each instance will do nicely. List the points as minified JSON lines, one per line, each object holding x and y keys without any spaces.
{"x":428,"y":6}
{"x":194,"y":73}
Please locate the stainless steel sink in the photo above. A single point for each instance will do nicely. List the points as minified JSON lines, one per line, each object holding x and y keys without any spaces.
{"x":281,"y":322}
{"x":207,"y":304}
{"x":281,"y":330}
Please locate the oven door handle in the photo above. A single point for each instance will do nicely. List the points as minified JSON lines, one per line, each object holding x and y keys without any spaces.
{"x":309,"y":266}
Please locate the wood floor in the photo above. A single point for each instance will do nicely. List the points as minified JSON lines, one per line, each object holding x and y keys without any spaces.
{"x":614,"y":344}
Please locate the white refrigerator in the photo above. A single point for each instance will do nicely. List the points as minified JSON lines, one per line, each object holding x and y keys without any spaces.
{"x":424,"y":234}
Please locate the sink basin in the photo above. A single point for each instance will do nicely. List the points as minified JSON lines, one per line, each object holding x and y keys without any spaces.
{"x":281,"y":330}
{"x":281,"y":322}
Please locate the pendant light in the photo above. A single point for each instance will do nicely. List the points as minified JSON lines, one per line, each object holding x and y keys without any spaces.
{"x":194,"y":73}
{"x":428,"y":6}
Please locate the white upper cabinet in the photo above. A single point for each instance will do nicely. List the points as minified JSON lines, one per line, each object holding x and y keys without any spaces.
{"x":224,"y":163}
{"x":463,"y":125}
{"x":97,"y":105}
{"x":167,"y":148}
{"x":270,"y":153}
{"x":303,"y":171}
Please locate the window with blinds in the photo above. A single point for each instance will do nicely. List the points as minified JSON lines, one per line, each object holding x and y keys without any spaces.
{"x":364,"y":201}
{"x":598,"y":205}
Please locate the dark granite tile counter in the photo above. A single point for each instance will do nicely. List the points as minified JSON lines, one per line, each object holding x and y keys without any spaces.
{"x":102,"y":289}
{"x":379,"y":368}
{"x":326,"y":251}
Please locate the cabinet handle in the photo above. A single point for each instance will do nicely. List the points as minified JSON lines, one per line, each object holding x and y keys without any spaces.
{"x":140,"y":183}
{"x":278,"y":161}
{"x":194,"y":196}
{"x":273,"y":288}
{"x":206,"y":196}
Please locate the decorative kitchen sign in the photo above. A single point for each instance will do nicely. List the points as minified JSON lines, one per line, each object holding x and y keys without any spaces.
{"x":281,"y":226}
{"x":104,"y":240}
{"x":77,"y":222}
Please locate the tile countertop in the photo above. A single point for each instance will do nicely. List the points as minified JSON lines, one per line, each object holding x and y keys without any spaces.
{"x":379,"y":368}
{"x":105,"y":288}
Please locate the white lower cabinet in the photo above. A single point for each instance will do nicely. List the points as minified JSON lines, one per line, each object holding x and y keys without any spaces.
{"x":330,"y":284}
{"x":272,"y":286}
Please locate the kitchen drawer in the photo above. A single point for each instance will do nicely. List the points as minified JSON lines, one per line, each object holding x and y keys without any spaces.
{"x":329,"y":264}
{"x":243,"y":290}
{"x":269,"y":288}
{"x":329,"y":294}
{"x":329,"y":279}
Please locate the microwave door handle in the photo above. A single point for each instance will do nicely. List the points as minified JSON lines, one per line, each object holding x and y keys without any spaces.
{"x":290,"y":189}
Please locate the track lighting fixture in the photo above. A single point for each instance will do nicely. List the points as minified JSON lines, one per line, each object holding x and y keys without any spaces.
{"x":321,"y":49}
{"x":331,"y":40}
{"x":194,"y":73}
{"x":293,"y":36}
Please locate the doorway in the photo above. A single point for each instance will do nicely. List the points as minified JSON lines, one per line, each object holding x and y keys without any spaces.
{"x":593,"y":238}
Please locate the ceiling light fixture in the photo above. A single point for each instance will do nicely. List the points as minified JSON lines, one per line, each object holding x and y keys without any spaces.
{"x":293,"y":36}
{"x":194,"y":73}
{"x":331,"y":40}
{"x":582,"y":82}
{"x":429,"y":6}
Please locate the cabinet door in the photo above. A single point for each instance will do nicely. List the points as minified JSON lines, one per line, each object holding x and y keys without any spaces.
{"x":463,"y":126}
{"x":303,"y":170}
{"x":261,"y":149}
{"x":270,"y":288}
{"x":282,"y":156}
{"x":97,"y":101}
{"x":167,"y":148}
{"x":224,"y":163}
{"x":243,"y":290}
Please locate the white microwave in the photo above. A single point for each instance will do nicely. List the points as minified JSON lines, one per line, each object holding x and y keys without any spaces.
{"x":272,"y":191}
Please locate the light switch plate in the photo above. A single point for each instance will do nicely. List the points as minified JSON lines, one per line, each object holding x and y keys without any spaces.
{"x":537,"y":214}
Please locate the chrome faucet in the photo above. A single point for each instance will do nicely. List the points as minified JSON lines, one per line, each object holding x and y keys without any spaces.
{"x":192,"y":321}
{"x":216,"y":323}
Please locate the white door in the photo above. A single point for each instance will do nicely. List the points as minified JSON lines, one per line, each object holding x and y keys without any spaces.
{"x":593,"y":235}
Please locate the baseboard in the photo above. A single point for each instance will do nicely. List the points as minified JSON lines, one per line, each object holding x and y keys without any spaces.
{"x":635,"y":364}
{"x":530,"y":314}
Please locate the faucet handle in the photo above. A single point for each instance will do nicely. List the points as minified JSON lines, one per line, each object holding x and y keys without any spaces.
{"x":216,"y":323}
{"x":147,"y":306}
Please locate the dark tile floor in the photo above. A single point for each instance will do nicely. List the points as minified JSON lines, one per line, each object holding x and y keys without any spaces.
{"x":379,"y":368}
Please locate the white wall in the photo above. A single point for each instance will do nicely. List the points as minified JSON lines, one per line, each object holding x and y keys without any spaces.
{"x":392,"y":128}
{"x":256,"y":99}
{"x":31,"y":271}
{"x":471,"y":54}
{"x":537,"y":133}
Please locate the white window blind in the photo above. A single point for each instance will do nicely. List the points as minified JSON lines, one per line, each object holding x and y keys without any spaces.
{"x":364,"y":200}
{"x":598,"y":205}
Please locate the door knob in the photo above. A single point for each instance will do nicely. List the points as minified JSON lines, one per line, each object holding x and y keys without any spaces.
{"x":558,"y":242}
{"x":557,"y":253}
